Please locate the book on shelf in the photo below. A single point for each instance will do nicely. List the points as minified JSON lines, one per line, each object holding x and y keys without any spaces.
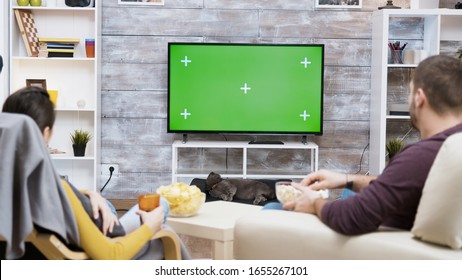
{"x":46,"y":46}
{"x":56,"y":53}
{"x":59,"y":40}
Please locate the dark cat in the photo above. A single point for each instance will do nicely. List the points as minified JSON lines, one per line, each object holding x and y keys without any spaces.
{"x":227,"y":189}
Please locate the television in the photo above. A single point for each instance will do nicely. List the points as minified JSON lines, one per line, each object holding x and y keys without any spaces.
{"x":271,"y":89}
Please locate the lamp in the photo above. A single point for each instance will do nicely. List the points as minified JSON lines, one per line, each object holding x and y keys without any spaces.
{"x":389,"y":6}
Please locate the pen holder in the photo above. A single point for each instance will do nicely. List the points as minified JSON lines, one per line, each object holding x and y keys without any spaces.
{"x":395,"y":57}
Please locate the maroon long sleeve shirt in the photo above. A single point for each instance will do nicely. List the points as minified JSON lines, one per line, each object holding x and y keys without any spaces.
{"x":392,"y":199}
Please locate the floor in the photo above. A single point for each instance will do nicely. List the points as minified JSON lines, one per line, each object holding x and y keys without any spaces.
{"x":199,"y":248}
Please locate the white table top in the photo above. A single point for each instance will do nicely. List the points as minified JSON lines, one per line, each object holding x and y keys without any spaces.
{"x":215,"y":220}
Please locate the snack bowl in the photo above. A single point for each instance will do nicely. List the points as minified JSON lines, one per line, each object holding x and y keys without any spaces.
{"x":285,"y":192}
{"x":184,"y":200}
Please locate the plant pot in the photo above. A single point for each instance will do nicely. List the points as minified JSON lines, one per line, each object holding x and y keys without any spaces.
{"x":79,"y":150}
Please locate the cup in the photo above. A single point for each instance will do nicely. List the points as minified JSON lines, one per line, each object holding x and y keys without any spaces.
{"x":396,"y":57}
{"x":90,"y":48}
{"x":53,"y":96}
{"x":148,"y":202}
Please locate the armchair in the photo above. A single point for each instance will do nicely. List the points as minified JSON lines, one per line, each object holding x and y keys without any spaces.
{"x":54,"y":249}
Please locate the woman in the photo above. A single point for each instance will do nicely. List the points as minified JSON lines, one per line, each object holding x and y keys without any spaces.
{"x":137,"y":244}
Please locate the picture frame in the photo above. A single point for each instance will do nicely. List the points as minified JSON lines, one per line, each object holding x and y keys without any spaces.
{"x":142,"y":2}
{"x":338,"y":4}
{"x":41,"y":83}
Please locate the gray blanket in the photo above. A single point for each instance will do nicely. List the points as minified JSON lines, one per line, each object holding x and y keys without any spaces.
{"x":30,"y":190}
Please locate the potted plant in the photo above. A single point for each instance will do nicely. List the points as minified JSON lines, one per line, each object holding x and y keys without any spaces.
{"x":79,"y":139}
{"x":393,"y":147}
{"x":459,"y":52}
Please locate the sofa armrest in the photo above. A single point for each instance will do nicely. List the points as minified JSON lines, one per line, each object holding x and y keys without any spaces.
{"x":275,"y":234}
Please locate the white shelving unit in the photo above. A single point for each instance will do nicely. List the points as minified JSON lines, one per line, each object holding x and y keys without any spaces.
{"x":76,"y":78}
{"x":310,"y":147}
{"x":439,"y":25}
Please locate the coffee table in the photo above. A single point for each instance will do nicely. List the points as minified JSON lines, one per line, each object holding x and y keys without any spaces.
{"x":214,"y":221}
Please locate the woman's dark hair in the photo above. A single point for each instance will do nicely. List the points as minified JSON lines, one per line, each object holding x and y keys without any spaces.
{"x":34,"y":102}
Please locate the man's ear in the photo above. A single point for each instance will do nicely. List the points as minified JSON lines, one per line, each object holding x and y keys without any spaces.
{"x":420,"y":98}
{"x":47,"y":134}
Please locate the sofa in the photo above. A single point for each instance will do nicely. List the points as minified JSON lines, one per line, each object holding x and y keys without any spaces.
{"x":436,"y":234}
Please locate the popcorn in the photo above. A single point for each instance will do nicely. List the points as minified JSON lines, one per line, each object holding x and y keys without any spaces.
{"x":286,"y":193}
{"x":182,"y":198}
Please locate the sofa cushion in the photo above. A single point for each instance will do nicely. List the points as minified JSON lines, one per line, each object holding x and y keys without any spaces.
{"x":438,"y":219}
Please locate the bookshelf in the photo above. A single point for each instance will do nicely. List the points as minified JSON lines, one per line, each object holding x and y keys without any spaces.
{"x":77,"y":80}
{"x":438,"y":25}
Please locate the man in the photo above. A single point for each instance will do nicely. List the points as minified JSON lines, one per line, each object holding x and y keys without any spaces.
{"x":391,"y":199}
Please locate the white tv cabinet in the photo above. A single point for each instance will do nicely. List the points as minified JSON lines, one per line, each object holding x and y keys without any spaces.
{"x":310,"y":147}
{"x":438,"y":25}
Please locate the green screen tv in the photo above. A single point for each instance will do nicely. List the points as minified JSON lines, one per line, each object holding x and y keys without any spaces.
{"x":245,"y":88}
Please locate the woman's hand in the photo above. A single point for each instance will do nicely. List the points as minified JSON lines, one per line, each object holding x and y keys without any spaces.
{"x":99,"y":206}
{"x":153,"y":219}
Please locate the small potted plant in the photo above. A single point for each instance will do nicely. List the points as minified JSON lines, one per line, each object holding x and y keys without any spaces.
{"x":79,"y":139}
{"x":393,"y":147}
{"x":459,"y":52}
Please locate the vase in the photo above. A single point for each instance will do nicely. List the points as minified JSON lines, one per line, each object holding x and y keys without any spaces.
{"x":23,"y":2}
{"x":79,"y":150}
{"x":35,"y":2}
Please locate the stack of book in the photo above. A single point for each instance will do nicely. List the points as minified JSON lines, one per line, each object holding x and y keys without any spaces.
{"x":57,"y":47}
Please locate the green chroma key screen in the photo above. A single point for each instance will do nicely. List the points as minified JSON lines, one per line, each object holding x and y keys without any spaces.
{"x":243,"y":88}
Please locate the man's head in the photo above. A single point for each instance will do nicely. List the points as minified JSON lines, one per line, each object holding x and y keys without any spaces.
{"x":438,"y":81}
{"x":34,"y":102}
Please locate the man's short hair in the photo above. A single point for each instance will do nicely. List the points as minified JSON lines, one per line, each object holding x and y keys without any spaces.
{"x":440,"y":77}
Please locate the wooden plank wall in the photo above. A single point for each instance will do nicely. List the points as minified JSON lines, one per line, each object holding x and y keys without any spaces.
{"x":134,"y":82}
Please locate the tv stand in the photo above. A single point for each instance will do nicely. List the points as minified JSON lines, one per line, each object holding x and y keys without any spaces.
{"x":243,"y":172}
{"x":266,"y":142}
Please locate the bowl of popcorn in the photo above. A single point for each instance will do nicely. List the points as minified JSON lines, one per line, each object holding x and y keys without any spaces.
{"x":184,"y":200}
{"x":285,"y":192}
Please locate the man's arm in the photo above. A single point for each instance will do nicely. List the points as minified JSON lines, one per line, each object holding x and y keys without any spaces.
{"x":358,"y":181}
{"x":326,"y":179}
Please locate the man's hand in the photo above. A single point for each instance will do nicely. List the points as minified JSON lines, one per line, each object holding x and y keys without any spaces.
{"x":153,"y":219}
{"x":324,"y":179}
{"x":309,"y":201}
{"x":99,"y":206}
